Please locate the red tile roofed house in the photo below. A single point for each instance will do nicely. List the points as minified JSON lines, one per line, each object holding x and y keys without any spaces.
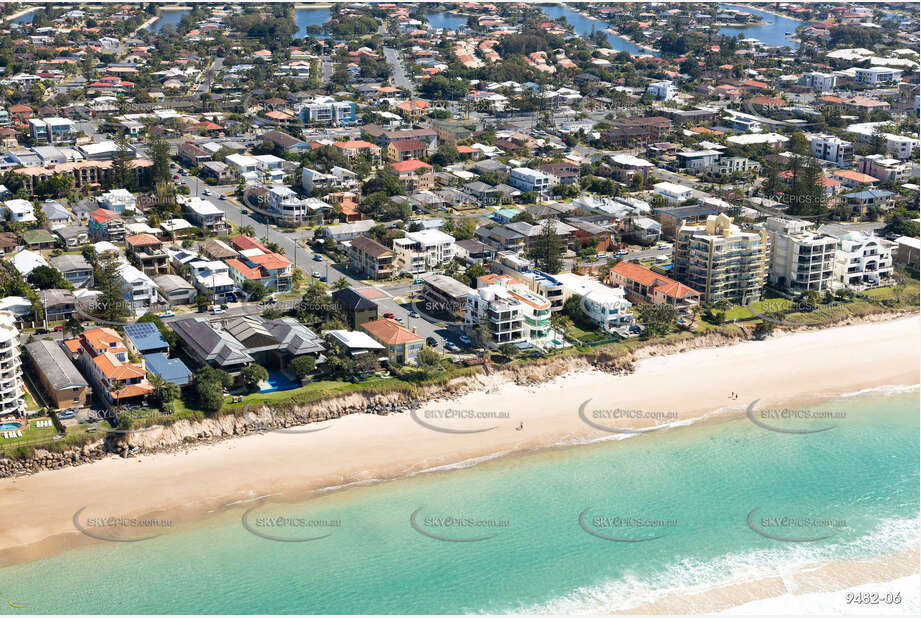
{"x":20,"y":112}
{"x":106,"y":225}
{"x":770,"y":103}
{"x":832,"y":186}
{"x":403,"y":345}
{"x":413,"y":107}
{"x":261,"y":265}
{"x":404,"y":150}
{"x":354,"y":148}
{"x":416,"y":175}
{"x":243,"y":243}
{"x":644,"y":285}
{"x":103,"y":356}
{"x":850,"y":178}
{"x":831,"y":102}
{"x":753,"y":84}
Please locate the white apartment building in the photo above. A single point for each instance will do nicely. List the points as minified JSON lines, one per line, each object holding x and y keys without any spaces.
{"x":117,"y":200}
{"x":242,"y":164}
{"x":673,"y":193}
{"x":337,"y":178}
{"x":140,"y":292}
{"x":12,"y":402}
{"x":662,"y":91}
{"x":52,"y":130}
{"x":862,"y":260}
{"x":886,"y":168}
{"x":821,"y":82}
{"x":326,"y":110}
{"x":422,"y":251}
{"x":513,"y":313}
{"x":899,"y":146}
{"x":604,"y":305}
{"x":528,"y":180}
{"x":877,"y":75}
{"x":801,"y":260}
{"x":831,"y":148}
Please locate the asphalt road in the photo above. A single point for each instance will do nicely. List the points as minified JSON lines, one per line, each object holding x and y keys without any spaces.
{"x":303,"y":257}
{"x":400,"y":79}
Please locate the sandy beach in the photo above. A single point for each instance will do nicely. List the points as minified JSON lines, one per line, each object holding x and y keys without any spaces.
{"x":37,"y":511}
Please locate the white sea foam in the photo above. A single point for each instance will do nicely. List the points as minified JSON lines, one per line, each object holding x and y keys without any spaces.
{"x":885,"y":389}
{"x":688,"y":577}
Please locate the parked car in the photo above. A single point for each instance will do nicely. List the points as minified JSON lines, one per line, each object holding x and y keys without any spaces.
{"x":206,"y":191}
{"x":216,"y":310}
{"x":431,"y":341}
{"x":222,"y":197}
{"x":58,"y":328}
{"x":315,"y":275}
{"x":317,"y":258}
{"x":42,"y":331}
{"x":65,"y":414}
{"x":166,"y":314}
{"x":389,"y":314}
{"x":414,"y":314}
{"x":451,"y":347}
{"x":465,"y":339}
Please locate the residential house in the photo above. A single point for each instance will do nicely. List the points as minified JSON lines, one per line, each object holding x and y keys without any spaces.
{"x":204,"y":214}
{"x":75,"y":269}
{"x":147,"y":252}
{"x":145,"y":338}
{"x":444,"y":296}
{"x":356,"y":307}
{"x":103,"y":357}
{"x":606,"y":307}
{"x":642,"y":285}
{"x":862,"y":261}
{"x":402,"y":344}
{"x":403,"y":150}
{"x":205,"y":345}
{"x":140,"y":292}
{"x":415,"y":175}
{"x":192,"y":155}
{"x":176,"y":290}
{"x":106,"y":225}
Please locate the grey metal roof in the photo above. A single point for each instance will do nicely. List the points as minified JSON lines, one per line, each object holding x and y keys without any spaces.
{"x":52,"y":361}
{"x":210,"y":344}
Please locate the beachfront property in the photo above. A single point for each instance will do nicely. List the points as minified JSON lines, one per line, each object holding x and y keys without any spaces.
{"x":61,"y":382}
{"x":521,"y":269}
{"x":203,"y":344}
{"x":643,"y":285}
{"x":862,"y":261}
{"x":673,"y":193}
{"x":722,"y":261}
{"x":12,"y":389}
{"x":511,"y":311}
{"x":274,"y":343}
{"x":801,"y":259}
{"x":102,"y":357}
{"x":402,"y":344}
{"x":605,"y":306}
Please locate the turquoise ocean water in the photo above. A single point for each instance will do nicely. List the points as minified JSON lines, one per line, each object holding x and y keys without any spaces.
{"x":695,"y":486}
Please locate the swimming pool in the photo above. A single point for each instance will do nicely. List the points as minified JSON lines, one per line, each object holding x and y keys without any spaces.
{"x":279,"y":382}
{"x":8,"y":426}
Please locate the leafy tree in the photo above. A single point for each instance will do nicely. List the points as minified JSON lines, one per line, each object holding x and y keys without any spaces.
{"x":47,"y":278}
{"x":164,"y":390}
{"x":253,"y":374}
{"x":428,"y":360}
{"x":255,"y":290}
{"x":659,"y":320}
{"x":509,"y":350}
{"x":210,"y":396}
{"x":169,"y":335}
{"x":73,"y":327}
{"x":303,"y":365}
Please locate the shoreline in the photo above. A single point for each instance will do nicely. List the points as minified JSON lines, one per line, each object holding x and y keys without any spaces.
{"x":365,"y":448}
{"x":19,"y":14}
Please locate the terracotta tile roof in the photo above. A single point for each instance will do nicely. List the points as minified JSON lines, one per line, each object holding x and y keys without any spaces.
{"x":410,"y":166}
{"x":855,"y":176}
{"x":651,"y":279}
{"x":355,"y":144}
{"x":141,"y":240}
{"x":242,"y":243}
{"x":272,"y":261}
{"x":254,"y":273}
{"x":390,"y":332}
{"x":101,"y":215}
